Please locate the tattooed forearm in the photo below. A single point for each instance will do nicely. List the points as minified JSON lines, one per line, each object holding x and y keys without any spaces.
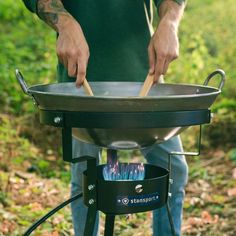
{"x":50,"y":11}
{"x":172,"y":8}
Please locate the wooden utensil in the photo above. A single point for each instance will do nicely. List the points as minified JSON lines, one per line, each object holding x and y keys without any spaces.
{"x":87,"y":88}
{"x":148,"y":84}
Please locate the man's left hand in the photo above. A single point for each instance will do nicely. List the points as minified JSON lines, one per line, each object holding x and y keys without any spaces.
{"x":163,"y":48}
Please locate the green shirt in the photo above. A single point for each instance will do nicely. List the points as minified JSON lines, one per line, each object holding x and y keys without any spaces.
{"x":118,"y":35}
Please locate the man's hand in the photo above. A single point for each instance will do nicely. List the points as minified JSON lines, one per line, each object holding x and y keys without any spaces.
{"x":72,"y":48}
{"x":164,"y":45}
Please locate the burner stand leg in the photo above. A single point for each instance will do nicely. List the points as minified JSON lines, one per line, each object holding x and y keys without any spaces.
{"x":172,"y":227}
{"x":90,"y":196}
{"x":90,"y":221}
{"x":197,"y":153}
{"x":170,"y":220}
{"x":109,"y":225}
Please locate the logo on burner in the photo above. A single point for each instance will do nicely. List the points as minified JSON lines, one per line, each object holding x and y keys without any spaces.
{"x":141,"y":200}
{"x":125,"y":201}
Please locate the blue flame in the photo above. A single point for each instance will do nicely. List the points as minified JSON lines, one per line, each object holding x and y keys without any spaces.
{"x":124,"y":171}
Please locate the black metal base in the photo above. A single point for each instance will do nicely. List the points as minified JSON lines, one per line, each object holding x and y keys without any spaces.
{"x":109,"y":225}
{"x":123,"y":197}
{"x":94,"y":184}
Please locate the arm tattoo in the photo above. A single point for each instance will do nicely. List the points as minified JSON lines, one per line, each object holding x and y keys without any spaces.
{"x":49,"y":11}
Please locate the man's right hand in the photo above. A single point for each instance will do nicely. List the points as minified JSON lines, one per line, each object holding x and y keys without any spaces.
{"x":72,"y":49}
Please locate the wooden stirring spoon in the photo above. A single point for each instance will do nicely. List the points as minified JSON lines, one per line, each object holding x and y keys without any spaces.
{"x":148,"y":84}
{"x":87,"y":88}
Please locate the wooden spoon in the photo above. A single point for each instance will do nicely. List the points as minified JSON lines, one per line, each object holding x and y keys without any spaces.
{"x":148,"y":84}
{"x":87,"y":88}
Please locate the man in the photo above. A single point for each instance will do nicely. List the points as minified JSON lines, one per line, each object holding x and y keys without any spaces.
{"x":107,"y":40}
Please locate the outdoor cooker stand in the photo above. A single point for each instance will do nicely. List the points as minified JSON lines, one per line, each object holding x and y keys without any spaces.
{"x":122,"y":197}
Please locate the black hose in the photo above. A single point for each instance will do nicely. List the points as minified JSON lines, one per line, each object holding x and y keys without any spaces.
{"x":50,"y":213}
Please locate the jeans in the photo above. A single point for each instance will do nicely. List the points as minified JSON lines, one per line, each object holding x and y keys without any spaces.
{"x":157,"y":155}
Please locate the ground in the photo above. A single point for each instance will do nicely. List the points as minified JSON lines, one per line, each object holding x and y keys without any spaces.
{"x":33,"y":181}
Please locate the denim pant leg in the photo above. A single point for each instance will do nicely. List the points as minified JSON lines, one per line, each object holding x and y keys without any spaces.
{"x":158,"y":155}
{"x":79,"y":210}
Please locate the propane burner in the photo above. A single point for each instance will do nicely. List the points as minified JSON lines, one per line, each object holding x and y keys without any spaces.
{"x":125,"y":188}
{"x":124,"y":145}
{"x":116,"y":171}
{"x":124,"y":171}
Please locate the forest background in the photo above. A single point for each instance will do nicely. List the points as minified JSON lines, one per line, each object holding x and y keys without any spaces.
{"x":34,"y":179}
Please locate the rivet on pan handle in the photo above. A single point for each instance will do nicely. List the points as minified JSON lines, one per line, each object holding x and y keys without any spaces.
{"x":216,"y":72}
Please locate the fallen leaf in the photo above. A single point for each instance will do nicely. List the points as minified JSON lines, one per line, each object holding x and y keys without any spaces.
{"x":7,"y":226}
{"x":58,"y":219}
{"x":216,"y":219}
{"x":219,"y":199}
{"x":206,"y":217}
{"x":218,"y":154}
{"x":186,"y":228}
{"x":232,"y":192}
{"x":54,"y":233}
{"x":206,"y":197}
{"x":35,"y":206}
{"x":196,"y":201}
{"x":234,"y":173}
{"x":204,"y":186}
{"x":195,"y":221}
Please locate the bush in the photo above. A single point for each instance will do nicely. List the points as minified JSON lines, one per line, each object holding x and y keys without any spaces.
{"x":28,"y":44}
{"x":221,"y":131}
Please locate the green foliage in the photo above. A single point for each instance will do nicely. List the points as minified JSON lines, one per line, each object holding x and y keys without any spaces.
{"x":232,"y":155}
{"x":225,"y":106}
{"x":207,"y":40}
{"x":222,"y":129}
{"x":27,"y":44}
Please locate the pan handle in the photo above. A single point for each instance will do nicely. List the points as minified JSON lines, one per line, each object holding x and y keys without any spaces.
{"x":23,"y":85}
{"x":21,"y":81}
{"x":216,"y":72}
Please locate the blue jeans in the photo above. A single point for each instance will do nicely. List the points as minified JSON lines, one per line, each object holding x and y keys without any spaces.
{"x":157,"y":155}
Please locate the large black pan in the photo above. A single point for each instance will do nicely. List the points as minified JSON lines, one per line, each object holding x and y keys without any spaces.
{"x":123,"y":97}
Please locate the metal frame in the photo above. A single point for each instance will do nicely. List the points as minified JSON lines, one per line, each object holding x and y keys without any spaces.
{"x":91,"y":195}
{"x":197,"y":153}
{"x":66,"y":120}
{"x":90,"y":188}
{"x":156,"y":119}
